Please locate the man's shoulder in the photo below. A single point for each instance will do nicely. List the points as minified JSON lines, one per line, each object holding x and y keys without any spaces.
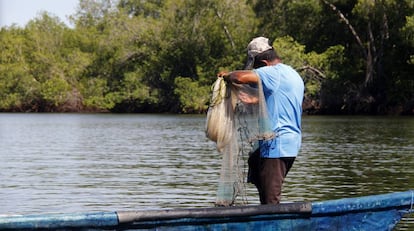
{"x":284,"y":66}
{"x":278,"y":67}
{"x":277,"y":71}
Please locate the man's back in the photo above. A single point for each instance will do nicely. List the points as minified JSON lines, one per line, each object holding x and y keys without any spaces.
{"x":283,"y":89}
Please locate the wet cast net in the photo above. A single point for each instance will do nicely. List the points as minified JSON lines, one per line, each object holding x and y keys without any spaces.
{"x":236,"y":120}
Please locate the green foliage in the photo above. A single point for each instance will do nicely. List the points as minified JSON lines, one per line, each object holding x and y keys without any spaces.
{"x":135,"y":89}
{"x":162,"y":55}
{"x":17,"y":86}
{"x":145,"y":8}
{"x":315,"y":68}
{"x":193,"y":97}
{"x":408,"y":35}
{"x":96,"y":94}
{"x":54,"y":91}
{"x":290,"y":51}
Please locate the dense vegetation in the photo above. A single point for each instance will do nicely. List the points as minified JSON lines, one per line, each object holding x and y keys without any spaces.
{"x":356,"y":56}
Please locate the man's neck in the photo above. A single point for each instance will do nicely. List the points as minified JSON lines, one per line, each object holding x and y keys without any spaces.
{"x":273,"y":62}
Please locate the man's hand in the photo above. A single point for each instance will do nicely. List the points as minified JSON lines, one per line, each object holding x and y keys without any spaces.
{"x":223,"y":74}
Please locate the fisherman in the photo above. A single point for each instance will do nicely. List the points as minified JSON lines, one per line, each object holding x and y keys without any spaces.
{"x":283,"y":90}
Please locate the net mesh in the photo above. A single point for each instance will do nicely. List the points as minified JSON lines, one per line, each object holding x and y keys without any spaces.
{"x":236,"y":120}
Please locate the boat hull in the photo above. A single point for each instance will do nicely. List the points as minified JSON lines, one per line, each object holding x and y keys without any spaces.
{"x":377,"y":212}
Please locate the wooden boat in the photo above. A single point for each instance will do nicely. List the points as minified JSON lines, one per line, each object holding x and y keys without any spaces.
{"x":377,"y":212}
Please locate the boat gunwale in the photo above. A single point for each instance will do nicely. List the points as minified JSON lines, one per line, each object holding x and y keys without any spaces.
{"x":400,"y":201}
{"x":216,"y":212}
{"x":395,"y":200}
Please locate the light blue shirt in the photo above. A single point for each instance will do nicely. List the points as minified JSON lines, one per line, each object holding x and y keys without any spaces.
{"x":283,"y":90}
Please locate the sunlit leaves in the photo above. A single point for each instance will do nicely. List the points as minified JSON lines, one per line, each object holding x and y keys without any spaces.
{"x":315,"y":68}
{"x":55,"y":91}
{"x":408,"y":30}
{"x":161,"y":55}
{"x":193,"y":97}
{"x":134,"y":88}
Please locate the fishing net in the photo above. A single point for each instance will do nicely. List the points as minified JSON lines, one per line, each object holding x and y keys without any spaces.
{"x":236,"y":120}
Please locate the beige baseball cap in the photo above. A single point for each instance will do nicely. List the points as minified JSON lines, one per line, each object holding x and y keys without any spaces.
{"x":255,"y":47}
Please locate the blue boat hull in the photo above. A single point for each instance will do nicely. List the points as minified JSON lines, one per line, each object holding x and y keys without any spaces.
{"x":378,"y":212}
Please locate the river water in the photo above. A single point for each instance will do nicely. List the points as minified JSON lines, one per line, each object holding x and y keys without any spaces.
{"x":59,"y":163}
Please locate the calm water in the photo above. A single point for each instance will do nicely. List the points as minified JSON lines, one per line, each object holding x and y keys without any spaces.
{"x":110,"y":162}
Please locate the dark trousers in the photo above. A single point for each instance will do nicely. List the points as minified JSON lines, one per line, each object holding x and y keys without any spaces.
{"x":268,"y":175}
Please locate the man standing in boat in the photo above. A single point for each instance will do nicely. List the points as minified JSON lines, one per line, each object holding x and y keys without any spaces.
{"x":283,"y":90}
